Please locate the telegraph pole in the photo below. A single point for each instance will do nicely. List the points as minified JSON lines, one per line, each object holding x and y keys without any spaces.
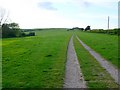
{"x":108,"y":21}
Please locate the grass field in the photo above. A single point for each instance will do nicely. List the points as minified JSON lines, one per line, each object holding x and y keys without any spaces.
{"x":0,"y":63}
{"x":94,"y":75}
{"x":104,"y":44}
{"x":39,"y":61}
{"x":36,"y":61}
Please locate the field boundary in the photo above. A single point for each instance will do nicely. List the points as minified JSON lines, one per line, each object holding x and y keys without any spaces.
{"x":73,"y":75}
{"x":103,"y":62}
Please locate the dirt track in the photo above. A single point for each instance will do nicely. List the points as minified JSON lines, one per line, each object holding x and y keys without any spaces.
{"x":115,"y":73}
{"x":73,"y":77}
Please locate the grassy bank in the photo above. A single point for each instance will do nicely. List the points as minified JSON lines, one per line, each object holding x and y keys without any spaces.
{"x":36,"y":61}
{"x":106,"y":45}
{"x":94,"y":75}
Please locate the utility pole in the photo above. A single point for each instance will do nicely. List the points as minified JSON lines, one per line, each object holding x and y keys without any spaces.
{"x":108,"y":21}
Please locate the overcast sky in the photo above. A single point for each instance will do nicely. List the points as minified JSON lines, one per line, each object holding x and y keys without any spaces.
{"x":62,"y":13}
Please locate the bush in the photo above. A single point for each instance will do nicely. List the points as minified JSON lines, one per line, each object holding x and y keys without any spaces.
{"x":31,"y":34}
{"x":110,"y":31}
{"x":22,"y":34}
{"x":87,"y":28}
{"x":8,"y":32}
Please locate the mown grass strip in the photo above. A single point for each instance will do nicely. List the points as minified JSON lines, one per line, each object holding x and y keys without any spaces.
{"x":35,"y":62}
{"x":105,"y":45}
{"x":94,"y":75}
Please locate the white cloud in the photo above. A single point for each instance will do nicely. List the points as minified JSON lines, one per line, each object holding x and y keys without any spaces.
{"x":29,"y":15}
{"x":47,"y":5}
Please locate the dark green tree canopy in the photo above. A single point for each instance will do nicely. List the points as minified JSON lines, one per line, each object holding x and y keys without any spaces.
{"x":10,"y":30}
{"x":13,"y":25}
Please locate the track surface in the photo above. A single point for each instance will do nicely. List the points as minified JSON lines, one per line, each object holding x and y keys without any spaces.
{"x":73,"y":77}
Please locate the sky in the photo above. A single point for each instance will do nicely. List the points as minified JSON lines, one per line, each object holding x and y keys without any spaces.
{"x":61,"y":13}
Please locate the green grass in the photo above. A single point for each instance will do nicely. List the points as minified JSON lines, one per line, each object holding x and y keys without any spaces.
{"x":36,"y":61}
{"x":106,"y":45}
{"x":0,"y":63}
{"x":94,"y":75}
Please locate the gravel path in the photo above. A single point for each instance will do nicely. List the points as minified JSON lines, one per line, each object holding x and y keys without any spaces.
{"x":73,"y":77}
{"x":104,"y":63}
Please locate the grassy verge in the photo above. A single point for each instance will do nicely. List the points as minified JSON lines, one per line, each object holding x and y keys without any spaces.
{"x":106,"y":45}
{"x":35,"y":62}
{"x":0,"y":63}
{"x":94,"y":74}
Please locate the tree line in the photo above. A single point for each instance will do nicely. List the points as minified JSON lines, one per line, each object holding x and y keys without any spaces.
{"x":8,"y":30}
{"x":13,"y":30}
{"x":82,"y":29}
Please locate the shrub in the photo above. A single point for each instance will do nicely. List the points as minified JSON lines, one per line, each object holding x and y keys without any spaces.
{"x":8,"y":31}
{"x":31,"y":34}
{"x":22,"y":34}
{"x":110,"y":31}
{"x":87,"y":28}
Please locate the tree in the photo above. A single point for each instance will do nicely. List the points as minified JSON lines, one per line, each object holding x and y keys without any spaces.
{"x":87,"y":28}
{"x":14,"y":25}
{"x":10,"y":30}
{"x":6,"y":31}
{"x":3,"y":16}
